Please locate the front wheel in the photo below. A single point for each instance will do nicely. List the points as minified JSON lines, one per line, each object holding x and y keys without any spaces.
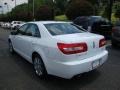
{"x":11,"y":50}
{"x":39,"y":66}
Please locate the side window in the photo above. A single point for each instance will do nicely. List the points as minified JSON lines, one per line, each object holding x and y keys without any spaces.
{"x":22,"y":29}
{"x":33,"y":30}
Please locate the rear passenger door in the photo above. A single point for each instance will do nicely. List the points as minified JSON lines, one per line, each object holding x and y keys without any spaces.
{"x":32,"y":35}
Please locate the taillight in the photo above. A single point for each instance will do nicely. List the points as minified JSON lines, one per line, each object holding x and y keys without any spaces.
{"x":72,"y":48}
{"x":102,"y":42}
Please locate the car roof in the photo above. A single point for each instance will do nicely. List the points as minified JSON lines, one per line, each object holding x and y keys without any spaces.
{"x":48,"y":22}
{"x":16,"y":21}
{"x":96,"y":16}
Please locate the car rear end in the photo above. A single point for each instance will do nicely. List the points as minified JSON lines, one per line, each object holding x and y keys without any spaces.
{"x":73,"y":54}
{"x":106,"y":29}
{"x":13,"y":24}
{"x":102,"y":27}
{"x":19,"y":24}
{"x":116,"y":35}
{"x":16,"y":24}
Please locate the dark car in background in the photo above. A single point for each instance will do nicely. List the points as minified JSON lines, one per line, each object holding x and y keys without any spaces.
{"x":95,"y":24}
{"x":116,"y":34}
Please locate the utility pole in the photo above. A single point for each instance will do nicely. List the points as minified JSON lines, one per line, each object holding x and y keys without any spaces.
{"x":7,"y":9}
{"x":33,"y":10}
{"x":1,"y":11}
{"x":28,"y":13}
{"x":7,"y":6}
{"x":110,"y":9}
{"x":15,"y":3}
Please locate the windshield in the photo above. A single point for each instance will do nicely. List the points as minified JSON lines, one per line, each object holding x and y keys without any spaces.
{"x":63,"y":28}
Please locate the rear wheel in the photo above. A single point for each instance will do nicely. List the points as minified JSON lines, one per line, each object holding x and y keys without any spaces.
{"x":39,"y":66}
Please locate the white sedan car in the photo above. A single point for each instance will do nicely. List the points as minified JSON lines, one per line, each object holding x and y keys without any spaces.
{"x":58,"y":48}
{"x":16,"y":24}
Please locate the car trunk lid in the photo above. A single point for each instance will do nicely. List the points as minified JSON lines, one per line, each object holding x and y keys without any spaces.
{"x":92,"y":41}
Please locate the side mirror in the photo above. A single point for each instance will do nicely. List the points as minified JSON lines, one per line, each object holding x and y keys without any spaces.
{"x":14,"y":33}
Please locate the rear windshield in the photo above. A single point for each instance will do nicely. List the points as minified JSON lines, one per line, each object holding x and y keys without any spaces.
{"x":63,"y":28}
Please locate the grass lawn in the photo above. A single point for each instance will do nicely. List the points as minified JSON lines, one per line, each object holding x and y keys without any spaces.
{"x":61,"y":18}
{"x":114,"y":19}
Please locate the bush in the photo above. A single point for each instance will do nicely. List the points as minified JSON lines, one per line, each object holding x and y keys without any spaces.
{"x":78,"y":8}
{"x":61,"y":18}
{"x":21,"y":13}
{"x":117,"y":13}
{"x":44,"y":13}
{"x":106,"y":12}
{"x":57,"y":12}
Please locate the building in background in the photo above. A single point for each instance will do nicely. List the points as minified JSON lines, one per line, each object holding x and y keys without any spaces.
{"x":7,"y":5}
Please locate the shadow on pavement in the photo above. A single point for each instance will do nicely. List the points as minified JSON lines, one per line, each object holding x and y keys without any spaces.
{"x":53,"y":82}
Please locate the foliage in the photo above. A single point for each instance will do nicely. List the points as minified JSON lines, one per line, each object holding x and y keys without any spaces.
{"x":72,"y":9}
{"x":114,"y":19}
{"x":105,"y":13}
{"x":116,"y":6}
{"x":24,"y":12}
{"x":117,"y":13}
{"x":78,"y":8}
{"x":44,"y":13}
{"x":93,"y":1}
{"x":61,"y":18}
{"x":108,"y":9}
{"x":21,"y":13}
{"x":60,"y":6}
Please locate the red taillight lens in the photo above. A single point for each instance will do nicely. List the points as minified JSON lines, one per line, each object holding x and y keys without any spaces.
{"x":72,"y":48}
{"x":102,"y":42}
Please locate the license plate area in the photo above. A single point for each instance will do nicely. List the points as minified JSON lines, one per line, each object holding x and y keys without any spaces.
{"x":96,"y":63}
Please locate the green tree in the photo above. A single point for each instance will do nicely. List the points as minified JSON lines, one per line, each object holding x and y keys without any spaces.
{"x":20,"y":12}
{"x":78,"y":8}
{"x":105,"y":13}
{"x":44,"y":13}
{"x":60,"y":5}
{"x":117,"y":13}
{"x":94,"y":2}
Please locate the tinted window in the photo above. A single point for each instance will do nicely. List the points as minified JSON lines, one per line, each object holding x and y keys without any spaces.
{"x":33,"y":31}
{"x":22,"y":29}
{"x":62,"y":28}
{"x":97,"y":19}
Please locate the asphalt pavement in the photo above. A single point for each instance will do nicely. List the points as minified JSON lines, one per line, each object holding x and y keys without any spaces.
{"x":18,"y":74}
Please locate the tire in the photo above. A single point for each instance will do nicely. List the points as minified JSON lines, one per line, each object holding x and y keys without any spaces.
{"x":39,"y":66}
{"x":11,"y":50}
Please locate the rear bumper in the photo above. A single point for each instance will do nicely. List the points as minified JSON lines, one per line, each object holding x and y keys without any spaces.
{"x":70,"y":69}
